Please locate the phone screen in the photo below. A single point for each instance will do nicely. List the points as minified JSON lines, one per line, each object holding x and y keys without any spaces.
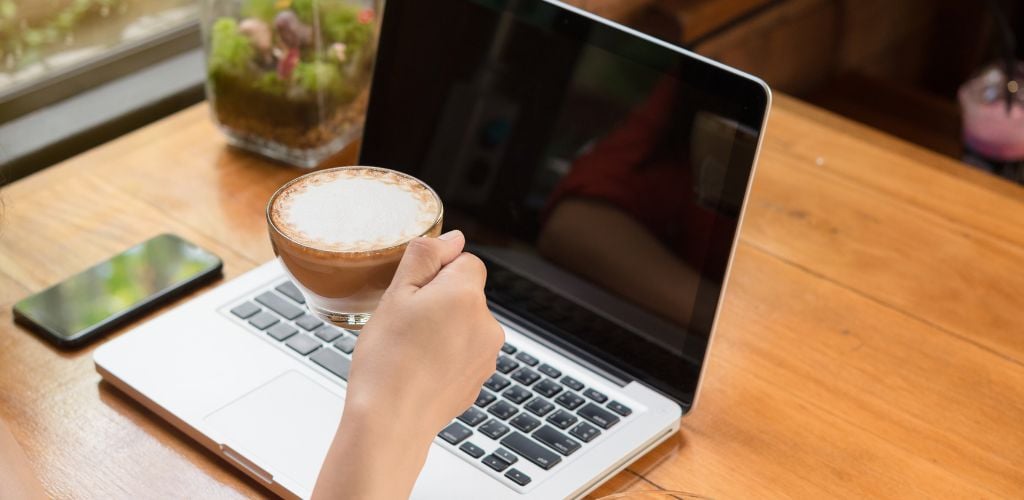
{"x":109,"y":290}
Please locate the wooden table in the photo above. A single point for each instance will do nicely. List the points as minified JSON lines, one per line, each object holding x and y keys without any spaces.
{"x":871,"y":342}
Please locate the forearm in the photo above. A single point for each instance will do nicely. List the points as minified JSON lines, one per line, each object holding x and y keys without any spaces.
{"x":16,"y":477}
{"x":372,"y":457}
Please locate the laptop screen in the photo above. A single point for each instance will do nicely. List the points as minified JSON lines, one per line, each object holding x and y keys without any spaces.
{"x":600,"y":175}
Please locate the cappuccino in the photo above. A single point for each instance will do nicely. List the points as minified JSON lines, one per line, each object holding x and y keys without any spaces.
{"x":340,"y":234}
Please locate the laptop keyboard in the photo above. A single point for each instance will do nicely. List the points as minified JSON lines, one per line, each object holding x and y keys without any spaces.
{"x":281,"y":314}
{"x":527,"y":410}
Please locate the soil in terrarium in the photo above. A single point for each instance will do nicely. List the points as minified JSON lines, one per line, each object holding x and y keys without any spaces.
{"x":292,"y":72}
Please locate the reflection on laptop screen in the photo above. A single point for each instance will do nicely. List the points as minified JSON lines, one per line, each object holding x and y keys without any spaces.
{"x":599,"y":175}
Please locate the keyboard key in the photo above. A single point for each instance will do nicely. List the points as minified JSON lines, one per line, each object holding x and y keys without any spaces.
{"x":585,"y":432}
{"x":562,"y":419}
{"x":455,"y":433}
{"x":517,"y":394}
{"x":333,"y":362}
{"x":508,"y":348}
{"x":595,"y":395}
{"x":525,"y":422}
{"x":556,"y":440}
{"x":620,"y":408}
{"x":599,"y":416}
{"x":525,"y":358}
{"x":525,"y":376}
{"x":549,"y":370}
{"x":547,"y":387}
{"x":303,"y":344}
{"x":281,"y":331}
{"x":518,"y":477}
{"x":496,"y":382}
{"x":308,"y":322}
{"x":353,"y":332}
{"x":243,"y":311}
{"x":539,"y":407}
{"x":502,"y":410}
{"x":485,"y":398}
{"x":530,"y":450}
{"x":495,"y":463}
{"x":263,"y":320}
{"x":288,"y":289}
{"x":570,"y":400}
{"x":572,"y":383}
{"x":276,"y":303}
{"x":472,"y":449}
{"x":493,"y":429}
{"x":346,"y":344}
{"x":506,"y":455}
{"x":472,"y":417}
{"x":328,"y":333}
{"x":506,"y":364}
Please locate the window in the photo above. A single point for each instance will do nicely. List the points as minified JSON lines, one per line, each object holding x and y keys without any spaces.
{"x":74,"y":63}
{"x":40,"y":39}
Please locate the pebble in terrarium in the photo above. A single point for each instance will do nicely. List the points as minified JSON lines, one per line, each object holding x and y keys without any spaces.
{"x":290,"y":78}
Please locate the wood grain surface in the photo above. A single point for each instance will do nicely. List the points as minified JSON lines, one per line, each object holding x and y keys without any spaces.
{"x":871,"y":342}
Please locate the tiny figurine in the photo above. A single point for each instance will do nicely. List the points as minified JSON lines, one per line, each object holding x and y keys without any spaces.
{"x":338,"y":49}
{"x":291,"y":31}
{"x":259,"y":36}
{"x":287,"y":64}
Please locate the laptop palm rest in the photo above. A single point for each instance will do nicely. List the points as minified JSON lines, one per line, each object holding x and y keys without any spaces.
{"x":286,"y":425}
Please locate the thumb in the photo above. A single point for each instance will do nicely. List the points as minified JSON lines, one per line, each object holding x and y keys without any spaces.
{"x":424,"y":257}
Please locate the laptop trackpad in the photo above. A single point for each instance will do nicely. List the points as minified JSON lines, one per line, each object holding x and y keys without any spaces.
{"x":285,"y":425}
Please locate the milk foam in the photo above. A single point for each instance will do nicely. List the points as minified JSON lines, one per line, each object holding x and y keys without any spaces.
{"x":355,"y":209}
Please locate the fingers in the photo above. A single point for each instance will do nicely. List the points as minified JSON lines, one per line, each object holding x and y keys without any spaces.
{"x":466,"y":269}
{"x":424,"y":257}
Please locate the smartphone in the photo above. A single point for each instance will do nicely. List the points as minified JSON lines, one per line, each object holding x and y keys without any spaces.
{"x":114,"y":292}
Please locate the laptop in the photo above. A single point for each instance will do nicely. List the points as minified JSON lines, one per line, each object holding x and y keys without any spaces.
{"x":599,"y":173}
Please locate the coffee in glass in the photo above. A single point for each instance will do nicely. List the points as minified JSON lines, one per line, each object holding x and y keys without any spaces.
{"x":341,"y":232}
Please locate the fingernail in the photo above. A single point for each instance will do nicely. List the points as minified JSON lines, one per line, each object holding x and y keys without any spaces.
{"x":450,"y":235}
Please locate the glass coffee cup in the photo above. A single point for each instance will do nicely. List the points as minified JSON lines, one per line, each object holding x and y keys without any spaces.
{"x":340,"y":234}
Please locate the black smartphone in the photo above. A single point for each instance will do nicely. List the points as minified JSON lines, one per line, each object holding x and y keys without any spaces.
{"x":111,"y":293}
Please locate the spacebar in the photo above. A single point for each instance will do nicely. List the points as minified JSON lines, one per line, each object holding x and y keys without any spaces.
{"x":530,"y":450}
{"x":332,"y":361}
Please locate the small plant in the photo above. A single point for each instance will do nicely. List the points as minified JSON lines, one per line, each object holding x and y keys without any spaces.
{"x":230,"y":51}
{"x":291,"y":72}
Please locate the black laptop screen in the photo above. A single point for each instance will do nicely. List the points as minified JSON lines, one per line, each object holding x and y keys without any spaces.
{"x":599,"y":175}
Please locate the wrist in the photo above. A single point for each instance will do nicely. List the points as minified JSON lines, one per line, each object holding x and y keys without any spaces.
{"x":385,"y":424}
{"x":373,"y":454}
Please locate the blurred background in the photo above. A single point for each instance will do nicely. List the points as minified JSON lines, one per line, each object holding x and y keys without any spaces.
{"x":76,"y":73}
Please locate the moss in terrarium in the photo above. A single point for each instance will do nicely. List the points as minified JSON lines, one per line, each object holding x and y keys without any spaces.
{"x":339,"y":20}
{"x":270,"y":83}
{"x":230,"y":50}
{"x":260,"y":9}
{"x":342,"y":25}
{"x":304,"y":9}
{"x":320,"y":76}
{"x":8,"y":9}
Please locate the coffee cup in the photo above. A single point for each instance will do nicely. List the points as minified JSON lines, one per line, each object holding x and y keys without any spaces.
{"x":340,"y":234}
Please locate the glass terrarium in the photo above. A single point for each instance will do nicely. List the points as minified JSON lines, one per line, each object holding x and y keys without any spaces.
{"x":289,"y":79}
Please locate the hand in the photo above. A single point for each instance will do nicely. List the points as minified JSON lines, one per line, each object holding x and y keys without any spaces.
{"x":419,"y":362}
{"x":431,"y":342}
